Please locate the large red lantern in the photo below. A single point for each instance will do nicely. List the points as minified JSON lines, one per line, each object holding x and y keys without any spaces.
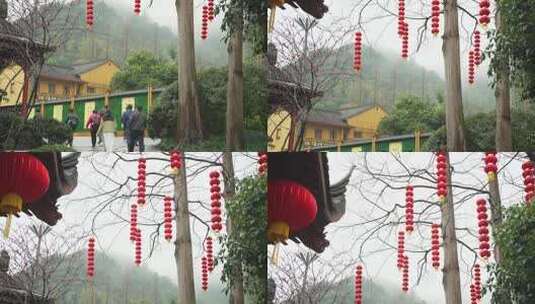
{"x":484,"y":245}
{"x":471,"y":67}
{"x":137,"y":7}
{"x":137,"y":259}
{"x":358,"y":285}
{"x":357,"y":60}
{"x":204,"y":28}
{"x":484,"y":12}
{"x":291,"y":208}
{"x":176,"y":162}
{"x":442,"y":166}
{"x":141,"y":181}
{"x":435,"y":246}
{"x":168,"y":218}
{"x":528,"y":172}
{"x":133,"y":222}
{"x":409,"y":209}
{"x":23,"y":180}
{"x":215,"y":195}
{"x":477,"y":47}
{"x":204,"y":278}
{"x":91,"y":258}
{"x":435,"y":17}
{"x":89,"y":17}
{"x":490,"y":166}
{"x":262,"y":163}
{"x":405,"y":278}
{"x":401,"y":249}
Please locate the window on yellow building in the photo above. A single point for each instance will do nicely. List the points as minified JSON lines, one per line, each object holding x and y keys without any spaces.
{"x":90,"y":90}
{"x":357,"y":134}
{"x":332,"y":134}
{"x":317,"y":134}
{"x":51,"y":88}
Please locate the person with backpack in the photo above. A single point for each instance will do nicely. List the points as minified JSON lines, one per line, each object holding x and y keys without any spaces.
{"x":72,"y":122}
{"x":125,"y":119}
{"x":93,"y":124}
{"x":136,"y":130}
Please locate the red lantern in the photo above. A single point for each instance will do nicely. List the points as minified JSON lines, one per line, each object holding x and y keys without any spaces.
{"x":204,"y":278}
{"x":137,"y":7}
{"x":176,"y":162}
{"x":484,"y":246}
{"x":484,"y":12}
{"x":291,"y":208}
{"x":211,"y":10}
{"x":471,"y":67}
{"x":409,"y":209}
{"x":141,"y":181}
{"x":209,"y":254}
{"x":442,"y":166}
{"x":358,"y":285}
{"x":401,"y":18}
{"x":168,"y":218}
{"x":89,"y":17}
{"x":405,"y":42}
{"x":473,"y":298}
{"x":133,"y":222}
{"x":477,"y":283}
{"x":215,"y":191}
{"x":435,"y":17}
{"x":435,"y":246}
{"x":91,"y":258}
{"x":477,"y":47}
{"x":490,"y":166}
{"x":401,"y":249}
{"x":528,"y":172}
{"x":357,"y":60}
{"x":23,"y":180}
{"x":204,"y":28}
{"x":405,"y":278}
{"x":262,"y":163}
{"x":137,"y":259}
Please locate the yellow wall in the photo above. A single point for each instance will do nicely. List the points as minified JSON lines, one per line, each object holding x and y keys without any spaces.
{"x":279,"y":124}
{"x":12,"y":81}
{"x":366,"y":122}
{"x":99,"y":78}
{"x":59,"y":91}
{"x":311,"y":139}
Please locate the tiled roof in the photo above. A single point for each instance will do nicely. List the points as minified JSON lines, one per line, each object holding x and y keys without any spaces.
{"x":352,"y":111}
{"x":59,"y":72}
{"x":331,"y":118}
{"x":88,"y":66}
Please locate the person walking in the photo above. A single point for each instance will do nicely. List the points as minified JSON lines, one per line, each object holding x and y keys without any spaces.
{"x":107,"y":128}
{"x":72,"y":122}
{"x":125,"y":119}
{"x":136,"y":130}
{"x":93,"y":124}
{"x":99,"y":133}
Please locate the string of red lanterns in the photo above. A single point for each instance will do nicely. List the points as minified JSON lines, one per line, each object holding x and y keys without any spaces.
{"x":401,"y":17}
{"x":357,"y":60}
{"x":477,"y":283}
{"x":473,"y":297}
{"x":358,"y":285}
{"x":209,"y":253}
{"x":211,"y":10}
{"x":176,"y":162}
{"x":215,"y":191}
{"x":435,"y":246}
{"x":262,"y":163}
{"x":204,"y":277}
{"x":441,"y":176}
{"x":484,"y":246}
{"x":204,"y":28}
{"x":409,"y":209}
{"x":405,"y":280}
{"x":401,"y":249}
{"x":435,"y":17}
{"x":137,"y":7}
{"x":490,"y":165}
{"x":484,"y":12}
{"x":477,"y":47}
{"x":91,"y":258}
{"x":405,"y":41}
{"x":471,"y":67}
{"x":133,"y":222}
{"x":168,"y":218}
{"x":528,"y":172}
{"x":137,"y":259}
{"x":89,"y":17}
{"x":141,"y":181}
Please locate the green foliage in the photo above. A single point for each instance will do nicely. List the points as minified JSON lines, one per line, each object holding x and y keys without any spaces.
{"x":19,"y":134}
{"x":247,"y":246}
{"x":143,"y":69}
{"x":410,"y":113}
{"x":512,"y":280}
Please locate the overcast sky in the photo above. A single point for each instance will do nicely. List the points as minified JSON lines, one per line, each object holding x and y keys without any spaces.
{"x":379,"y":260}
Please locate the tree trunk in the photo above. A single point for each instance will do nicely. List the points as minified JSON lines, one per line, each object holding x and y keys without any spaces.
{"x":236,"y":290}
{"x":504,"y":141}
{"x":451,"y":278}
{"x":183,"y":257}
{"x":495,"y":213}
{"x":452,"y":65}
{"x":189,"y":127}
{"x":235,"y":88}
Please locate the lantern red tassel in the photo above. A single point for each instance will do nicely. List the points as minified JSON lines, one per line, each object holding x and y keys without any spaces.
{"x":204,"y":28}
{"x":435,"y":246}
{"x":215,"y":191}
{"x":91,"y":258}
{"x":89,"y":17}
{"x":358,"y":285}
{"x":133,"y":222}
{"x":435,"y":17}
{"x":405,"y":280}
{"x":471,"y":67}
{"x":477,"y":283}
{"x":262,"y":163}
{"x":409,"y":209}
{"x":528,"y":172}
{"x":23,"y":180}
{"x":141,"y":181}
{"x":176,"y":162}
{"x":442,"y":191}
{"x":490,"y":166}
{"x":137,"y":258}
{"x":401,"y":249}
{"x":357,"y":60}
{"x":401,"y":18}
{"x":209,"y":254}
{"x":168,"y":218}
{"x":477,"y":47}
{"x":137,"y":7}
{"x":484,"y":246}
{"x":211,"y":10}
{"x":204,"y":278}
{"x":484,"y":12}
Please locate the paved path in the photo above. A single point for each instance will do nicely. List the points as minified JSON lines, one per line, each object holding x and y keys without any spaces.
{"x":83,"y":144}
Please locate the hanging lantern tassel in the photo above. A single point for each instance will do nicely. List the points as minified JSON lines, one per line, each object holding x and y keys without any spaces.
{"x":528,"y":172}
{"x":491,"y":167}
{"x":10,"y":204}
{"x":273,"y":4}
